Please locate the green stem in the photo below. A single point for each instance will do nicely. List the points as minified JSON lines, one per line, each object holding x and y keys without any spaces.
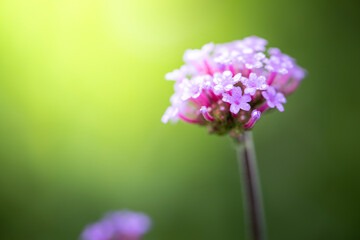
{"x":253,"y":206}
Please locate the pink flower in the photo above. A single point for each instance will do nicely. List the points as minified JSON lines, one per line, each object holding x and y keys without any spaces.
{"x":180,"y":74}
{"x":278,"y":62}
{"x":274,"y":99}
{"x":237,"y":100}
{"x":252,"y":60}
{"x":120,"y":225}
{"x":224,"y":82}
{"x":254,"y":83}
{"x":252,"y":42}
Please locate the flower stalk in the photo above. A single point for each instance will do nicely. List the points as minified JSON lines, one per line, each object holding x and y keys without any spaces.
{"x":252,"y":197}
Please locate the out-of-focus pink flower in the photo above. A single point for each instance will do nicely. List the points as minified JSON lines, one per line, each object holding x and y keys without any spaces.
{"x":120,"y":225}
{"x":274,"y":99}
{"x":224,"y":82}
{"x":237,"y":100}
{"x":254,"y":83}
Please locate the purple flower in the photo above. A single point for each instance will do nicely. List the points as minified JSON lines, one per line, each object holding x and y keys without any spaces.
{"x":170,"y":114}
{"x":224,"y":82}
{"x":180,"y":74}
{"x":225,"y":54}
{"x":252,"y":42}
{"x":252,"y":60}
{"x":121,"y":225}
{"x":237,"y":100}
{"x":191,"y":88}
{"x":274,"y":52}
{"x":98,"y":231}
{"x":278,"y":62}
{"x":298,"y":73}
{"x":196,"y":55}
{"x":274,"y":99}
{"x":254,"y":83}
{"x":130,"y":223}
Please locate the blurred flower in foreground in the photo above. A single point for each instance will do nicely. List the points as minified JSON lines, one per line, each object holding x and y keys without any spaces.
{"x":120,"y":225}
{"x":227,"y":87}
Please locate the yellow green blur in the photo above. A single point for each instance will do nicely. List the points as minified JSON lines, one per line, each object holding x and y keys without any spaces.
{"x":82,"y":92}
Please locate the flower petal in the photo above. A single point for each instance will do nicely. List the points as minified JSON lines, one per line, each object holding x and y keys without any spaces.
{"x":280,"y":107}
{"x":245,"y":106}
{"x":235,"y":108}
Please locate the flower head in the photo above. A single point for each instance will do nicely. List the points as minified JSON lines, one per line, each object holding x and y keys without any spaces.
{"x":227,"y":86}
{"x":121,"y":225}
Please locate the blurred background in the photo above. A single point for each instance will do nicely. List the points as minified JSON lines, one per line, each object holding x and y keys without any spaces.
{"x":82,"y":91}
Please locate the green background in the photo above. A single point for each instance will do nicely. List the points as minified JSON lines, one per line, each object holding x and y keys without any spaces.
{"x":82,"y":91}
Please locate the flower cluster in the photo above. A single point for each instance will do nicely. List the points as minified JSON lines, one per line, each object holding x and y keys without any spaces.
{"x":228,"y":86}
{"x":121,"y":225}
